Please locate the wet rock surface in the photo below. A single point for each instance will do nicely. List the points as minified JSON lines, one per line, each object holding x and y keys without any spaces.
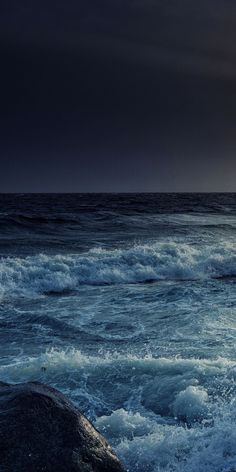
{"x":41,"y":430}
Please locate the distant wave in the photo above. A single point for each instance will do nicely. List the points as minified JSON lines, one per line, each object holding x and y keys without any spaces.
{"x":47,"y":274}
{"x":24,"y":221}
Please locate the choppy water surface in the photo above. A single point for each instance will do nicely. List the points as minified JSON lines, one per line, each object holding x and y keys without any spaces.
{"x":127,"y":303}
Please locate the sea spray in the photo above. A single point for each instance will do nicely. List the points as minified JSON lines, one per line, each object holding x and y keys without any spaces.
{"x":44,"y":274}
{"x":183,"y":424}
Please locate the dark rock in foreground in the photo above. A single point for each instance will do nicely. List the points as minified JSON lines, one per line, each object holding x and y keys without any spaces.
{"x":41,"y":430}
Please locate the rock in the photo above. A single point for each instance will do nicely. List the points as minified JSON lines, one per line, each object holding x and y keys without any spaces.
{"x":41,"y":430}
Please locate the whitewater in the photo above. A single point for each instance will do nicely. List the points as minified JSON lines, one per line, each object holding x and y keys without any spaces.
{"x":127,"y":304}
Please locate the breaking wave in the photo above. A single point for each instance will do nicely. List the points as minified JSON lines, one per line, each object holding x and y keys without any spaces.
{"x":160,"y":414}
{"x":43,"y":273}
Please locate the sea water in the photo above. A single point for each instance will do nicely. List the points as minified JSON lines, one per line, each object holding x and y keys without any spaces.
{"x":127,"y":304}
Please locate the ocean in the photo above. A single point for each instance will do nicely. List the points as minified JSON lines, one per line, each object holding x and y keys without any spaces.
{"x":127,"y":304}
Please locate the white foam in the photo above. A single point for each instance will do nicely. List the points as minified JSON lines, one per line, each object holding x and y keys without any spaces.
{"x":34,"y":275}
{"x":191,"y":404}
{"x":179,"y":449}
{"x":141,"y":404}
{"x":174,"y":387}
{"x":122,"y":424}
{"x":148,"y":445}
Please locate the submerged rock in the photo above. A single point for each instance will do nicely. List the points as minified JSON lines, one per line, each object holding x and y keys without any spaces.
{"x":41,"y":430}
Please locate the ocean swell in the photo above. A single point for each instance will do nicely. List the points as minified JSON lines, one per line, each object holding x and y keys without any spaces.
{"x":43,"y":273}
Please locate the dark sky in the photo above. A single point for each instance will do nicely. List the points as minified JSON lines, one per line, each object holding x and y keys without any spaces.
{"x":118,"y":95}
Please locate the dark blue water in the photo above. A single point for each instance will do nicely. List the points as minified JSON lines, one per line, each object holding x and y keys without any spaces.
{"x":127,"y":303}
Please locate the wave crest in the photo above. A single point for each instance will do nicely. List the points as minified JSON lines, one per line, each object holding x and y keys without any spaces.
{"x":43,"y":273}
